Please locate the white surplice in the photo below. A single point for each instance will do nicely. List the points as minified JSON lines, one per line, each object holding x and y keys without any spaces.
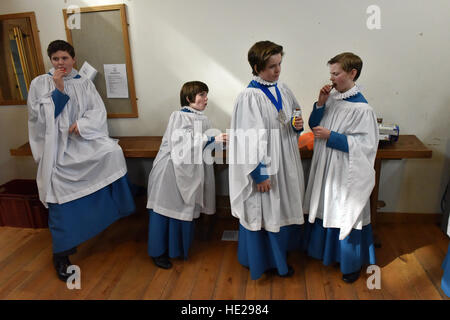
{"x":181,"y":185}
{"x":270,"y":142}
{"x":340,"y":183}
{"x":71,"y":166}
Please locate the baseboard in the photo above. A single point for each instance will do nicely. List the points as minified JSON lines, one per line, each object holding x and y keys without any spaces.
{"x":404,"y":217}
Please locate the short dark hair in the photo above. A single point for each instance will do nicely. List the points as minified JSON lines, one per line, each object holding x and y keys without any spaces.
{"x":189,"y":90}
{"x":58,"y":45}
{"x":348,"y":62}
{"x":260,"y":53}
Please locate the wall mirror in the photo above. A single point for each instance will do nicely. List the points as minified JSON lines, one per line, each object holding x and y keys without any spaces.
{"x":100,"y":38}
{"x":20,"y":56}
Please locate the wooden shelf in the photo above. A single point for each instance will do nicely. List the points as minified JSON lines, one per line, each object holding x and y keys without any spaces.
{"x":407,"y":147}
{"x":134,"y":147}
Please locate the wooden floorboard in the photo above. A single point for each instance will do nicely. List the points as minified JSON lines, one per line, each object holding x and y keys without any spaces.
{"x":115,"y":265}
{"x":232,"y":278}
{"x":408,"y":242}
{"x":314,"y":282}
{"x":293,"y":288}
{"x":206,"y":278}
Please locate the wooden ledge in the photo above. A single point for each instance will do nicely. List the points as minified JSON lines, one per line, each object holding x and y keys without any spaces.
{"x":407,"y":147}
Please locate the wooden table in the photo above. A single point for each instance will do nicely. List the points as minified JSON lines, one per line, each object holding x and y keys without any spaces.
{"x":407,"y":147}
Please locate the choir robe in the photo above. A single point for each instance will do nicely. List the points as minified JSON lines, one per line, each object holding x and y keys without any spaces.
{"x":269,"y":221}
{"x":341,"y":180}
{"x":340,"y":183}
{"x":276,"y":146}
{"x":181,"y":184}
{"x":75,"y":172}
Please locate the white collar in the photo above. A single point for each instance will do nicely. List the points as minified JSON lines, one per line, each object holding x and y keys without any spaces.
{"x":347,"y":94}
{"x":192,"y":110}
{"x":264,"y":82}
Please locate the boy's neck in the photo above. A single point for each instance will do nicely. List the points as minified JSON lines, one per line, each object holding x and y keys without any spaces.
{"x":195,"y":107}
{"x":348,"y":88}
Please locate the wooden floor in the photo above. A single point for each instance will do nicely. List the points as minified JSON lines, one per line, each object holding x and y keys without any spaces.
{"x":115,"y":265}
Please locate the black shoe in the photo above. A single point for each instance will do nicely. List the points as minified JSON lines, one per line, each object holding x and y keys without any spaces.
{"x":290,"y":273}
{"x":162,"y":261}
{"x":351,"y":277}
{"x":61,"y":264}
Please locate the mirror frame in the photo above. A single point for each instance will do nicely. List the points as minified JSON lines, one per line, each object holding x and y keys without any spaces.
{"x":133,"y":113}
{"x":37,"y":47}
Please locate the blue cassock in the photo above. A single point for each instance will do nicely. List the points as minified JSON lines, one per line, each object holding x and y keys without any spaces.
{"x":76,"y":221}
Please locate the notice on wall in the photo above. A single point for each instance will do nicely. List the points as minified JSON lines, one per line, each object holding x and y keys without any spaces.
{"x":116,"y":80}
{"x":88,"y":71}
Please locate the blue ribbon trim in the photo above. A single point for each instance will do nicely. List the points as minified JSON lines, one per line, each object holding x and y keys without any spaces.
{"x":278,"y":103}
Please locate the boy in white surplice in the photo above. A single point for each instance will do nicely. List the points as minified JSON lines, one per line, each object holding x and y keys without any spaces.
{"x":181,"y":184}
{"x":265,"y":169}
{"x":342,"y":172}
{"x":82,"y":174}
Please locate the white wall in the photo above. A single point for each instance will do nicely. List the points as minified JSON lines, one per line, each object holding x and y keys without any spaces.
{"x":404,"y":76}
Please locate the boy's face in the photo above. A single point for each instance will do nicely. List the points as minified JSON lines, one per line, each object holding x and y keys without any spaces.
{"x":201,"y":100}
{"x":342,"y":80}
{"x":272,"y":70}
{"x":62,"y":60}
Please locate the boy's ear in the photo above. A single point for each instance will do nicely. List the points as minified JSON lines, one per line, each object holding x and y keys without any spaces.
{"x":255,"y":69}
{"x":353,"y":73}
{"x":187,"y":98}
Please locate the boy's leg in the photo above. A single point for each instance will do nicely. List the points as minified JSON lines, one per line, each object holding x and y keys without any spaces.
{"x":158,"y":231}
{"x":61,"y":262}
{"x":351,"y":277}
{"x":163,"y":261}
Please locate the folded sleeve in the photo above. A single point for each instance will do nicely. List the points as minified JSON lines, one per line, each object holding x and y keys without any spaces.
{"x":92,"y":124}
{"x":60,"y":100}
{"x":316,"y":115}
{"x":338,"y":141}
{"x":259,"y":174}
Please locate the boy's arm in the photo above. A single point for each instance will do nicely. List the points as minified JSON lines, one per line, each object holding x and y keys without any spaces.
{"x":319,"y":106}
{"x":334,"y":139}
{"x":259,"y":174}
{"x":338,"y":141}
{"x":316,"y":115}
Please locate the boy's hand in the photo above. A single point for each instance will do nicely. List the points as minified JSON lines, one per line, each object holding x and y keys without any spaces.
{"x":58,"y":79}
{"x":321,"y":132}
{"x":74,"y":128}
{"x":223,"y":137}
{"x":298,"y":123}
{"x":323,"y":95}
{"x":263,"y":186}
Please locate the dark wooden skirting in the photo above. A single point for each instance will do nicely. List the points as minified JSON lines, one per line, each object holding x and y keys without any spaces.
{"x":403,"y":217}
